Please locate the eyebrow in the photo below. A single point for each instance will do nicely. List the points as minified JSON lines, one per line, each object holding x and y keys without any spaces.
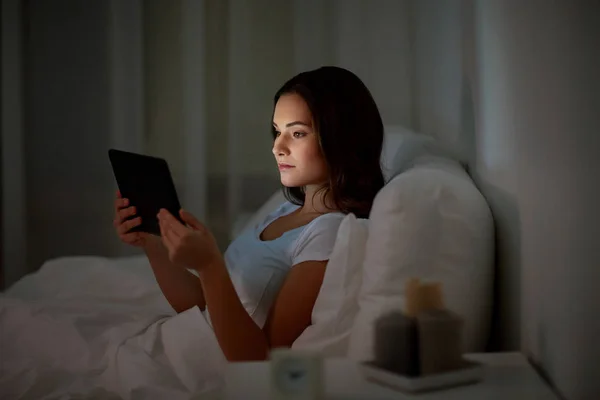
{"x":293,"y":124}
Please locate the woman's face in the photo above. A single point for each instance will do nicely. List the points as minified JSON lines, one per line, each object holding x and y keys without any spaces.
{"x":296,"y":146}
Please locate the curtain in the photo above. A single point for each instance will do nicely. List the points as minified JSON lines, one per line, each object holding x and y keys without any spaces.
{"x":188,"y":80}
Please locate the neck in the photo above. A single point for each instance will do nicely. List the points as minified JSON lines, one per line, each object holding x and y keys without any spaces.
{"x":316,"y":201}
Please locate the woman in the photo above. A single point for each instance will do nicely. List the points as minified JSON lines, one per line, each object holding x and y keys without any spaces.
{"x":328,"y":137}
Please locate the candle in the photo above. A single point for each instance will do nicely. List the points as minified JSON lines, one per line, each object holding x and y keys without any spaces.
{"x":440,"y":341}
{"x":396,"y":343}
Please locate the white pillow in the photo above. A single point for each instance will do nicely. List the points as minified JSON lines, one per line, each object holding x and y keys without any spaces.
{"x":394,"y":137}
{"x":336,"y":305}
{"x":429,"y":222}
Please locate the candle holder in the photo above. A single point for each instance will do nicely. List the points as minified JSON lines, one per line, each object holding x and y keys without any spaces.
{"x":420,"y":349}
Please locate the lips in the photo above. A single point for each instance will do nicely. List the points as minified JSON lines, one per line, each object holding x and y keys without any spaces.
{"x":283,"y":167}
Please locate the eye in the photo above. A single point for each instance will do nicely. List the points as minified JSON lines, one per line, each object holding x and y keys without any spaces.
{"x":276,"y":133}
{"x":299,"y":134}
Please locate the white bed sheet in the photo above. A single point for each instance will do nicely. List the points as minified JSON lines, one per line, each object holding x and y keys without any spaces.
{"x":91,"y":327}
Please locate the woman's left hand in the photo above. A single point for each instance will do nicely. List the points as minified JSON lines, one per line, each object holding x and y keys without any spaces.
{"x":192,"y":246}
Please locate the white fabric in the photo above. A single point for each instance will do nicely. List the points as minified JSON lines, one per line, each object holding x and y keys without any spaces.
{"x":429,"y":222}
{"x":418,"y":149}
{"x":100,"y":328}
{"x":90,"y":326}
{"x":317,"y":240}
{"x":393,"y":139}
{"x":258,"y":268}
{"x":336,"y":305}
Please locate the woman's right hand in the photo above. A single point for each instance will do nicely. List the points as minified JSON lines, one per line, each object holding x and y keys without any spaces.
{"x":123,"y":211}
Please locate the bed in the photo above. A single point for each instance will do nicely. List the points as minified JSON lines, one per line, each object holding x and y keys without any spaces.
{"x":95,"y":327}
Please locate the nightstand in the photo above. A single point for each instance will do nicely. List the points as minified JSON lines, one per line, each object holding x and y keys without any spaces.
{"x":507,"y":376}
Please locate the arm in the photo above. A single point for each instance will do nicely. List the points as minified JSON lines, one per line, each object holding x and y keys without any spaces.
{"x":291,"y":313}
{"x":181,"y":288}
{"x":239,"y":337}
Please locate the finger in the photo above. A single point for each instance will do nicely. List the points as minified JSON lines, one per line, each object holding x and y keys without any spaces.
{"x":118,"y":194}
{"x":127,"y":225}
{"x":127,"y":212}
{"x":131,"y":237}
{"x":177,"y":227}
{"x":167,"y":242}
{"x":163,"y":219}
{"x":139,"y":238}
{"x":189,"y":219}
{"x":121,"y":203}
{"x":170,"y":232}
{"x":143,"y":235}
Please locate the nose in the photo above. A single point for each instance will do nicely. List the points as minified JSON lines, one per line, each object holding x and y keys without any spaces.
{"x":280,"y":147}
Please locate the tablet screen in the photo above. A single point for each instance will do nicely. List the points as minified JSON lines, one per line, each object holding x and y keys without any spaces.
{"x":146,"y":181}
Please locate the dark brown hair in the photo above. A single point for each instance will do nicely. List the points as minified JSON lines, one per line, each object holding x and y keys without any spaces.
{"x":350,"y":133}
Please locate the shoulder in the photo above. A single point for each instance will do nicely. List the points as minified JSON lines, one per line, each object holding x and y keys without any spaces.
{"x":327,"y":223}
{"x":316,"y":240}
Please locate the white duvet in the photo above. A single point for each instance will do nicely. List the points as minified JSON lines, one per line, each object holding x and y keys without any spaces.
{"x":91,"y":327}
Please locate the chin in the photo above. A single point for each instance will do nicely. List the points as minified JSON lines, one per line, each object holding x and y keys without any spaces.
{"x":290,"y":182}
{"x":287,"y":182}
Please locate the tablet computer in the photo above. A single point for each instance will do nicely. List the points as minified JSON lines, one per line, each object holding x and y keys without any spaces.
{"x":146,"y":181}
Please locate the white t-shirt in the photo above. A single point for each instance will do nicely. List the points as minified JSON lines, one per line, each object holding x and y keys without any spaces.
{"x":258,"y":268}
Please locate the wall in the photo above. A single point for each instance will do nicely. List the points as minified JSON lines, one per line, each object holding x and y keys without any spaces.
{"x":537,"y":139}
{"x":513,"y":87}
{"x":437,"y":44}
{"x":443,"y":107}
{"x":487,"y":123}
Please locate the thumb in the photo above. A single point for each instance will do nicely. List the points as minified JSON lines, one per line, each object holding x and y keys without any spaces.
{"x":189,"y":219}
